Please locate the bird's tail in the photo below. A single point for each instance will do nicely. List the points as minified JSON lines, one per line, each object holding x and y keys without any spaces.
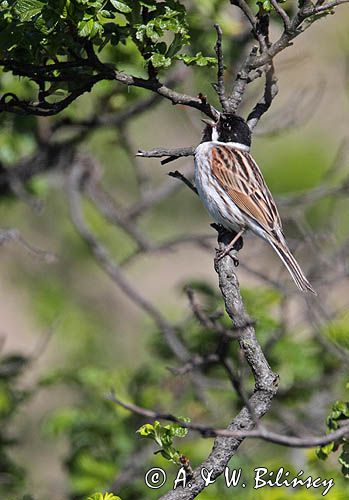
{"x":292,"y":266}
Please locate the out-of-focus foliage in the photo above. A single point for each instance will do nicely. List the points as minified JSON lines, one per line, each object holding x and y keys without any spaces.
{"x":12,"y":399}
{"x":338,"y":416}
{"x":99,"y":438}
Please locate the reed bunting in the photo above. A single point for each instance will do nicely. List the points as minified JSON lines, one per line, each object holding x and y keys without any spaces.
{"x":232,"y":188}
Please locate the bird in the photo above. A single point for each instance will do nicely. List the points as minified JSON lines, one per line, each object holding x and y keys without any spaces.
{"x":234,"y":192}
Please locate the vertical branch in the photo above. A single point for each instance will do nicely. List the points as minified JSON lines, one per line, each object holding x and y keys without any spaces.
{"x":219,"y":87}
{"x":258,"y":35}
{"x":266,"y":382}
{"x":270,"y":91}
{"x":241,"y":81}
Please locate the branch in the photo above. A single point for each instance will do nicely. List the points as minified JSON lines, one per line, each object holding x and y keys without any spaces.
{"x":219,"y":87}
{"x":327,"y":6}
{"x":7,"y":235}
{"x":292,"y":29}
{"x":156,"y":195}
{"x":101,"y":119}
{"x":270,"y":91}
{"x":280,"y":11}
{"x":210,"y":432}
{"x":297,"y":112}
{"x":241,"y":81}
{"x":101,"y":255}
{"x":102,"y":72}
{"x":181,"y":177}
{"x":170,"y":153}
{"x":206,"y":321}
{"x":244,"y":7}
{"x":110,"y":210}
{"x":265,"y":383}
{"x":44,"y":108}
{"x":154,"y":85}
{"x":110,"y":119}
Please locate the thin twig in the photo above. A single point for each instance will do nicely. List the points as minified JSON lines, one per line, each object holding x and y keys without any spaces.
{"x":172,"y":153}
{"x":270,"y":91}
{"x":285,"y":19}
{"x":181,"y":177}
{"x":7,"y":235}
{"x":260,"y":433}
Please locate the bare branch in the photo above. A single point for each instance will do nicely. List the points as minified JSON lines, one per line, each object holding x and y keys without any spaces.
{"x":265,"y":383}
{"x":328,"y":5}
{"x":253,"y":61}
{"x":244,"y":7}
{"x":285,"y":19}
{"x":270,"y":91}
{"x":40,"y":108}
{"x":181,"y":177}
{"x":209,"y":432}
{"x":297,"y":112}
{"x":134,"y":109}
{"x":171,"y":153}
{"x":113,"y":213}
{"x":112,"y":270}
{"x":175,"y":97}
{"x":7,"y":235}
{"x":219,"y":87}
{"x":154,"y":196}
{"x":206,"y":321}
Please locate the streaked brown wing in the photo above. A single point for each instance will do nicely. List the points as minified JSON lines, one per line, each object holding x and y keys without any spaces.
{"x":241,"y":179}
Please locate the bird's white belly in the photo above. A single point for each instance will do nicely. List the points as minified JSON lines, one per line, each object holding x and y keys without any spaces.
{"x":218,"y":204}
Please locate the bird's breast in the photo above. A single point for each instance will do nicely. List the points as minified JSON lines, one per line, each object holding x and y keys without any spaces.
{"x":217,"y":202}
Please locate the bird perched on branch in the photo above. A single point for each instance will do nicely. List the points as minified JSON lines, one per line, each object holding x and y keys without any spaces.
{"x":233,"y":190}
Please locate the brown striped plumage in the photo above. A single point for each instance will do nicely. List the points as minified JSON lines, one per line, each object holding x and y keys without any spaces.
{"x":234,"y":191}
{"x":240,"y":177}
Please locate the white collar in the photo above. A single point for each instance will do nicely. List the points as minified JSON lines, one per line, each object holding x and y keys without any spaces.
{"x":235,"y":145}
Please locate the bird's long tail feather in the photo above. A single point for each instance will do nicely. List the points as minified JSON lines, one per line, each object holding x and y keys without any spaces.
{"x":292,"y":267}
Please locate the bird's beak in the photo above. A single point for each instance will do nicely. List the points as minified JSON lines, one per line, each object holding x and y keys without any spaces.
{"x":210,"y":123}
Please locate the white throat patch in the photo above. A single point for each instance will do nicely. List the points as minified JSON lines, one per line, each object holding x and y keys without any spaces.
{"x":238,"y":145}
{"x":235,"y":145}
{"x":214,"y":134}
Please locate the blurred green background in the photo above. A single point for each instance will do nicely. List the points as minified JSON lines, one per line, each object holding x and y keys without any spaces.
{"x":59,"y":437}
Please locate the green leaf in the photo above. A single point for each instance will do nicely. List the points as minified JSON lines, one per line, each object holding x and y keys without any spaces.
{"x":198,"y":60}
{"x":344,"y":457}
{"x":153,"y":32}
{"x":89,"y":28}
{"x":121,"y":6}
{"x":105,"y":496}
{"x":27,"y":9}
{"x":179,"y":431}
{"x":147,"y":430}
{"x":324,"y":451}
{"x":339,"y":413}
{"x":160,"y":61}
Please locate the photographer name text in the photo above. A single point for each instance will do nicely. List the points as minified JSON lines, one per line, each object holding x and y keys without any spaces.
{"x":156,"y":477}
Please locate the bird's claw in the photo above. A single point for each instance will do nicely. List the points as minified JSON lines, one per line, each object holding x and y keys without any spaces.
{"x":223,"y":253}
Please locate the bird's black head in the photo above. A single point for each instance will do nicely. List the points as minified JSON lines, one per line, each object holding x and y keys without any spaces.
{"x":232,"y":128}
